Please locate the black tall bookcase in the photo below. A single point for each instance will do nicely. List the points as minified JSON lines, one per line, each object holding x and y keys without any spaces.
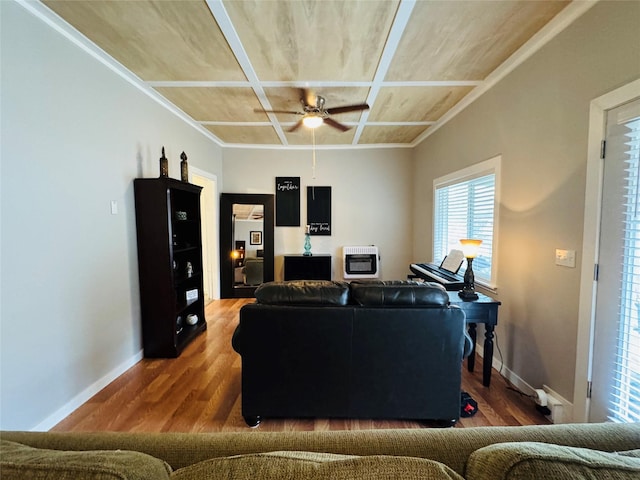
{"x":169,"y":264}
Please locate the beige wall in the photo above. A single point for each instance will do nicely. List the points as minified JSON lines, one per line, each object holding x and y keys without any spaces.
{"x":74,"y":136}
{"x":537,"y":119}
{"x":371,"y":199}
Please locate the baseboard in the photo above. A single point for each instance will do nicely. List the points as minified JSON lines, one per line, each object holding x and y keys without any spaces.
{"x":561,"y":408}
{"x":62,"y":413}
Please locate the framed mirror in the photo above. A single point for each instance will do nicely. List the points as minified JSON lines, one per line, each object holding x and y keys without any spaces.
{"x":246,"y":243}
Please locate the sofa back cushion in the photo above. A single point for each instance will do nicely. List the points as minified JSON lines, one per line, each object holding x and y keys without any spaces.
{"x":22,"y":462}
{"x":315,"y":466}
{"x":399,"y":293}
{"x":303,"y":292}
{"x":534,"y":460}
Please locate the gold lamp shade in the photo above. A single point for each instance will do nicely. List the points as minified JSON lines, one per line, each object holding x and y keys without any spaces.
{"x":470,"y":247}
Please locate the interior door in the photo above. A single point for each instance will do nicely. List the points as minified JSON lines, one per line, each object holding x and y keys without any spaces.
{"x":615,"y":391}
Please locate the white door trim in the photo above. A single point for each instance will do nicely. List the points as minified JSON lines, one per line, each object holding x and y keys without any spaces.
{"x":590,"y":241}
{"x":214,"y":260}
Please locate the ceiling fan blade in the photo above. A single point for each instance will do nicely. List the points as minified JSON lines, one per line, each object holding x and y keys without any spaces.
{"x":335,"y":124}
{"x":258,"y":110}
{"x":295,"y":127}
{"x":347,"y":108}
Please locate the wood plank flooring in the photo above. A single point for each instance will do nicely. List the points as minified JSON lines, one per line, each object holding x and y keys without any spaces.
{"x":200,"y":392}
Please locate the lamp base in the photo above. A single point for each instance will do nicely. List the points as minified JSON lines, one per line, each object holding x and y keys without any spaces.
{"x":468,"y":291}
{"x":468,"y":295}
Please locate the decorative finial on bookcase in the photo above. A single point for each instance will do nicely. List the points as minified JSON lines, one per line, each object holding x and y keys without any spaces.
{"x":164,"y":165}
{"x":184,"y":168}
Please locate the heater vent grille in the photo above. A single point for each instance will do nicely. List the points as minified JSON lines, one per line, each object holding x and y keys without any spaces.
{"x":366,"y":250}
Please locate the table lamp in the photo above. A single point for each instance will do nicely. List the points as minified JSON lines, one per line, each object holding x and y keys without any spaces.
{"x":470,"y":250}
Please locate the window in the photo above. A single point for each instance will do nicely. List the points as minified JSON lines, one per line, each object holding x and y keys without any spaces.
{"x":625,"y":394}
{"x":465,"y":206}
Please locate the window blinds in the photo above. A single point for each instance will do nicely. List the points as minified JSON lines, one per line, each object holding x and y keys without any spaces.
{"x":466,"y":210}
{"x":624,"y":403}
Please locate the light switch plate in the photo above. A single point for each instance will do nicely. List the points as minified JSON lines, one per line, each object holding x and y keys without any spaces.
{"x":566,"y":258}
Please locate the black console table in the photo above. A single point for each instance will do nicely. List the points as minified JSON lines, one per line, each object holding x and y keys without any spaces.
{"x":314,"y":267}
{"x":483,"y":310}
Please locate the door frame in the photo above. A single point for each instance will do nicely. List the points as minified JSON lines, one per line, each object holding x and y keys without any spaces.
{"x":213,"y":249}
{"x":591,"y":242}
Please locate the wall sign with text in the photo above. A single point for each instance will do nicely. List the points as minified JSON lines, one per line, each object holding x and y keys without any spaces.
{"x":319,"y":210}
{"x":287,"y":201}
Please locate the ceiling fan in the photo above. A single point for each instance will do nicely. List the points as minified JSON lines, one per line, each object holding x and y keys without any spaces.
{"x":314,"y":113}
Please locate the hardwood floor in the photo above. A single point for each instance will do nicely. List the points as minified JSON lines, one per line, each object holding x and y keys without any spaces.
{"x":200,"y":392}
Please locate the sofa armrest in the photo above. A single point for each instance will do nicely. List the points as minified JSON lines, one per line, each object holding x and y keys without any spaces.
{"x":533,"y":460}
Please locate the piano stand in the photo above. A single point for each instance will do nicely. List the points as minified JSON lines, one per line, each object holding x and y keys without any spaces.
{"x":483,"y":310}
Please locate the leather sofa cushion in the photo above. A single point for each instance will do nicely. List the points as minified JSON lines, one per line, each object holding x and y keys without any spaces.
{"x":303,"y":292}
{"x":398,"y":293}
{"x":315,"y":466}
{"x":22,"y":462}
{"x":534,"y":460}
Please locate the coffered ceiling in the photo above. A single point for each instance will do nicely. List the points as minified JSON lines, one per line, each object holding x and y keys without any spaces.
{"x":223,"y":62}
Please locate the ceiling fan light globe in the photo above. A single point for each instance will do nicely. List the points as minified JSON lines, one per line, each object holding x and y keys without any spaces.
{"x":312,"y":121}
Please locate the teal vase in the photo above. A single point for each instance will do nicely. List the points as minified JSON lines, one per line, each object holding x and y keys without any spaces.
{"x":307,"y":245}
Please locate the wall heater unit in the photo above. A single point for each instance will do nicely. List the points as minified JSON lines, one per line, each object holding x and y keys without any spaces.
{"x":361,"y":262}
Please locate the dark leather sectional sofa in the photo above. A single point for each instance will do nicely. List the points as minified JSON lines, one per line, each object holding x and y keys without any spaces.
{"x":362,"y":350}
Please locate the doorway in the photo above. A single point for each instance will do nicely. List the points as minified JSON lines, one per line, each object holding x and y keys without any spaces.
{"x":615,"y":383}
{"x":589,"y":356}
{"x":209,"y":215}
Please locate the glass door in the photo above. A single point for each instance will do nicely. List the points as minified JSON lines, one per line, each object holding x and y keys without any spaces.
{"x":615,"y":392}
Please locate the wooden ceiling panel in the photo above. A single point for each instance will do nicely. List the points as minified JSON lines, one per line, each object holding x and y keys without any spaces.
{"x":312,"y":39}
{"x":156,"y":40}
{"x":466,"y":40}
{"x":391,"y":134}
{"x":242,"y":211}
{"x":409,"y":60}
{"x":245,"y":135}
{"x":216,"y":104}
{"x":415,"y":104}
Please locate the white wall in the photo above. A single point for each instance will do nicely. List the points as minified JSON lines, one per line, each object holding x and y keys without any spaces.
{"x":243,"y":232}
{"x":371,"y":199}
{"x":537,"y":119}
{"x":74,"y":136}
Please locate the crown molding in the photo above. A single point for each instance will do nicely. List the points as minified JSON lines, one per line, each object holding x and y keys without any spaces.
{"x":50,"y":18}
{"x":560,"y":22}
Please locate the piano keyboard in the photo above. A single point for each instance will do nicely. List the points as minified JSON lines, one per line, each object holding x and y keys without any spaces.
{"x":433,"y":273}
